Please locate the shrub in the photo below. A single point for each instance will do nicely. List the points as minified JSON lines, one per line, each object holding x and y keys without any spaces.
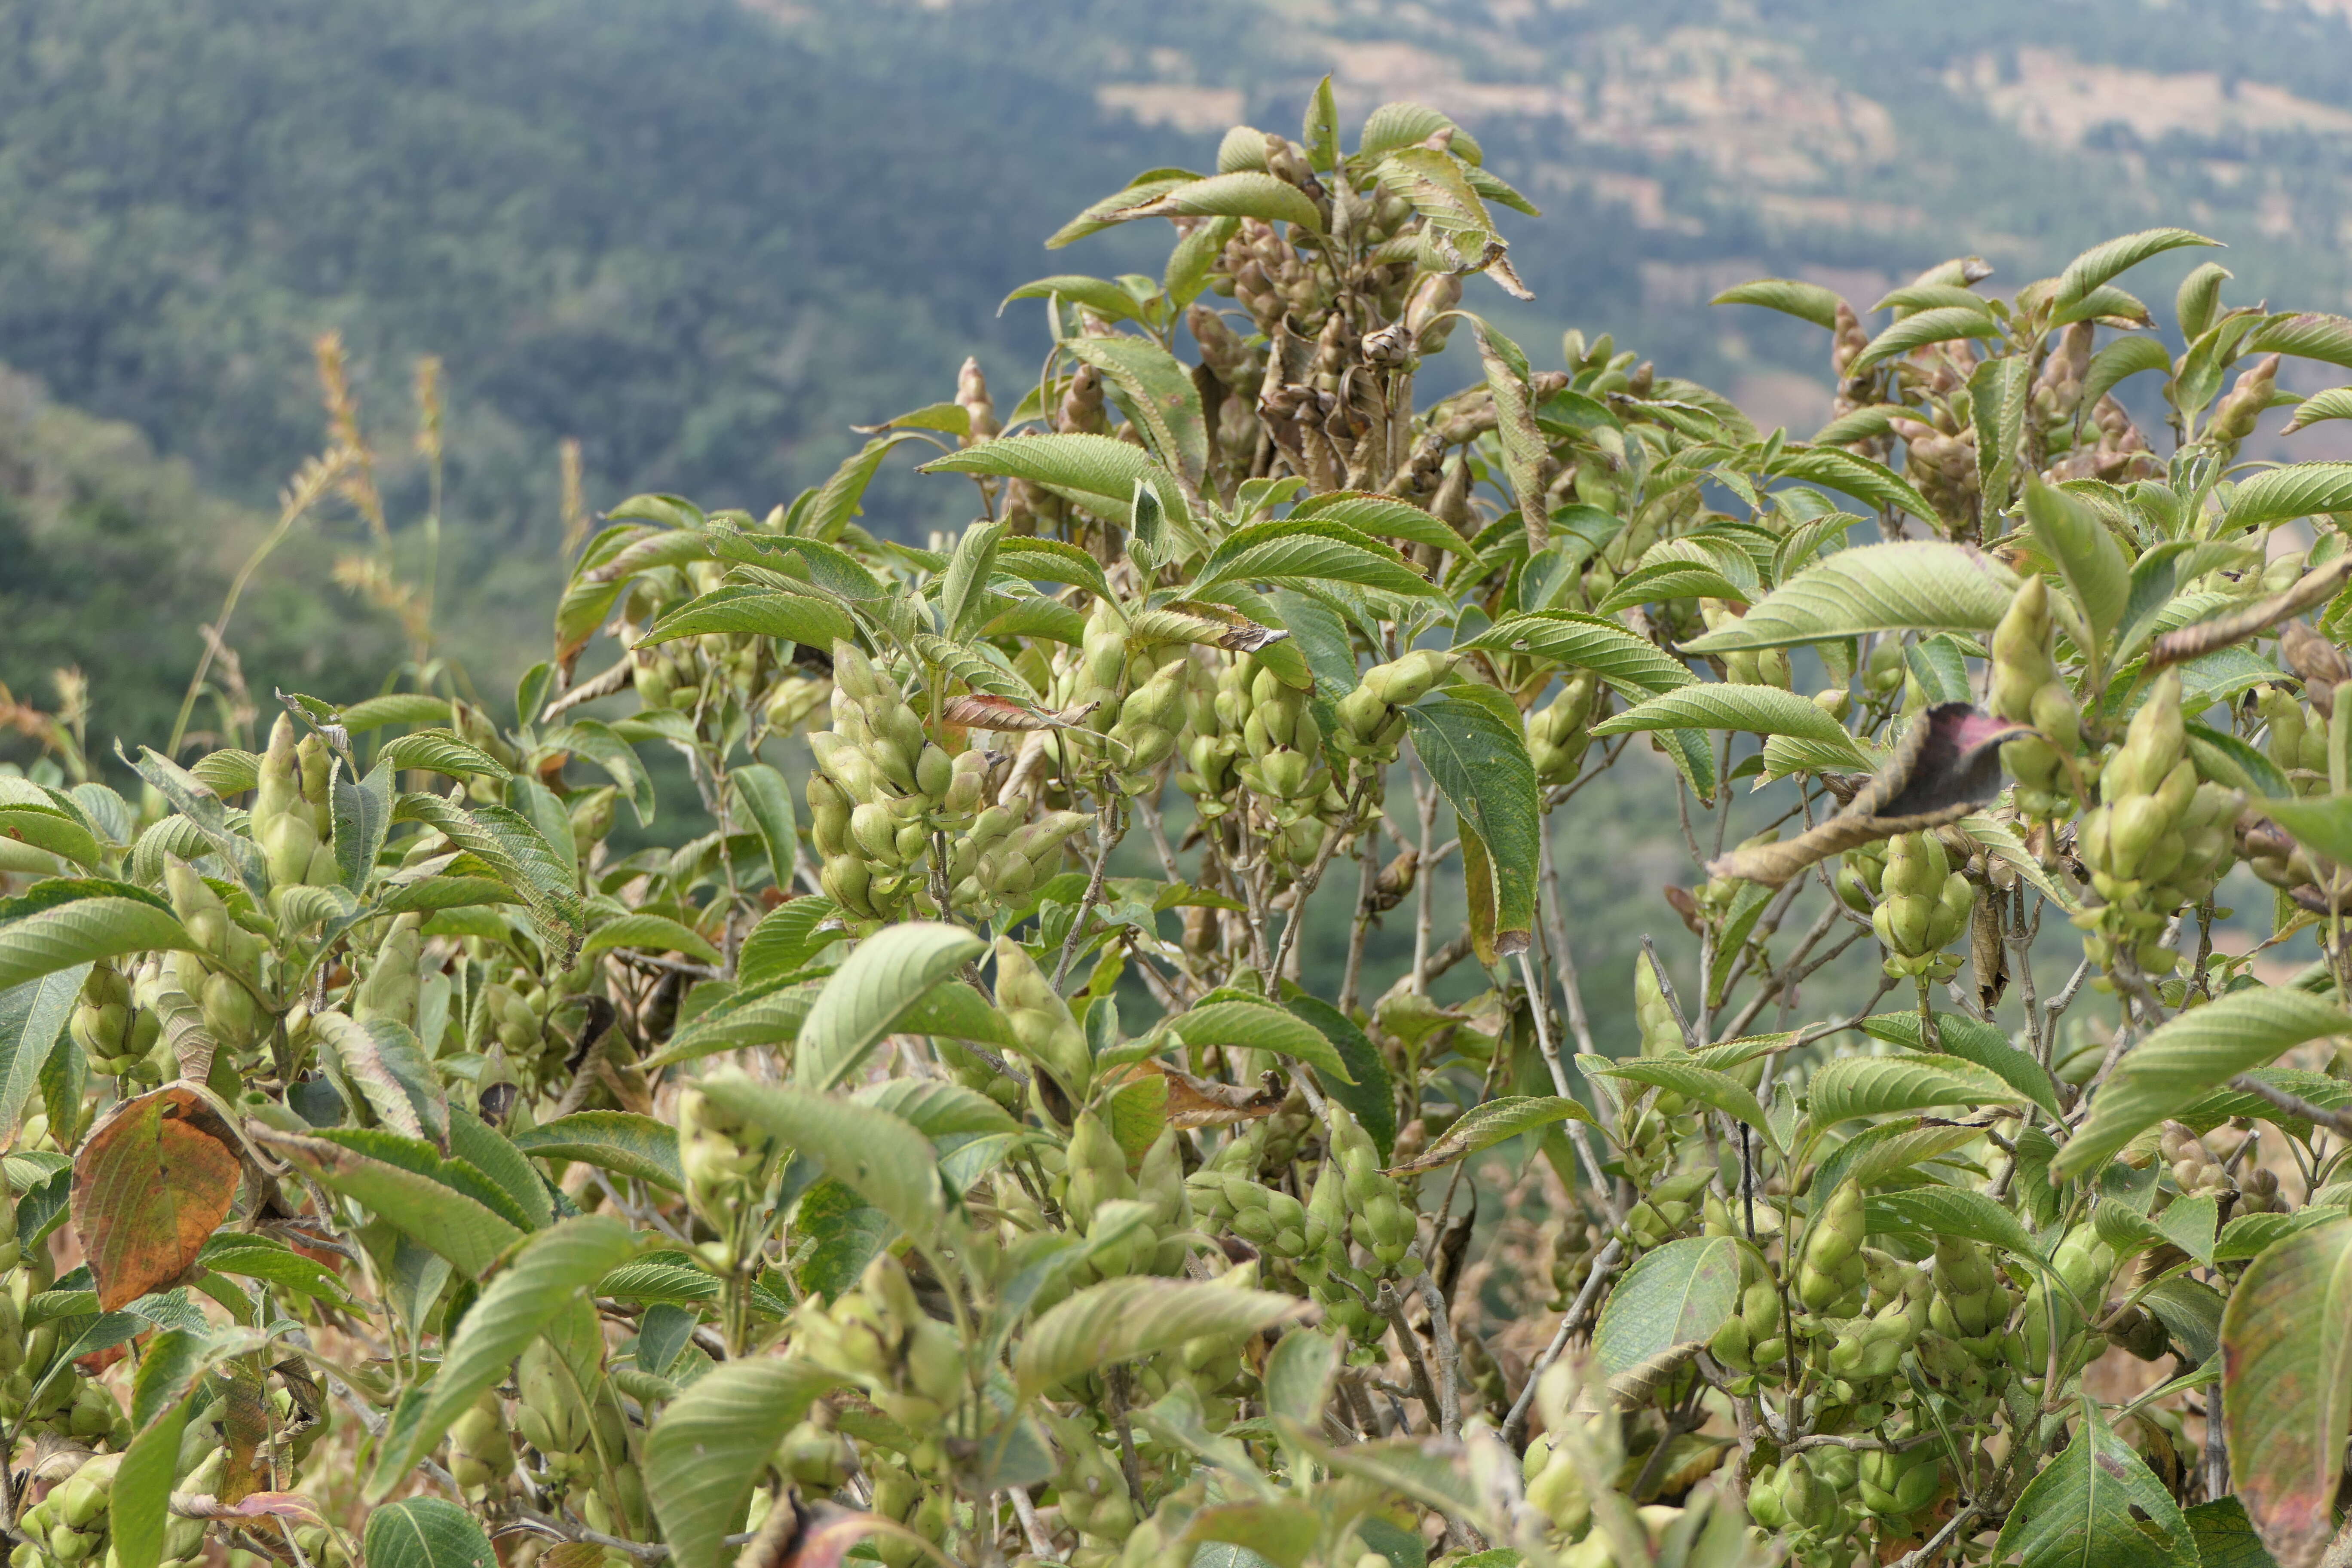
{"x":825,"y":1183}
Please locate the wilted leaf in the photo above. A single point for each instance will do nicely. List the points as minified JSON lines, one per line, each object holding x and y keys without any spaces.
{"x":2097,"y":1503}
{"x":151,"y":1184}
{"x":1483,"y":1126}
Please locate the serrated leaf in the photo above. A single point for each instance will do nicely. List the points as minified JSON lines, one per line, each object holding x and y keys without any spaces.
{"x":1100,"y":295}
{"x":1705,"y":1084}
{"x":555,"y":1270}
{"x":1097,"y":471}
{"x":1911,"y":586}
{"x":1259,"y":1026}
{"x":1953,"y":1211}
{"x":2102,"y":262}
{"x":393,"y":708}
{"x":1983,"y":1044}
{"x":410,"y":1188}
{"x":1122,"y":1320}
{"x":1851,"y":1086}
{"x":2127,"y":356}
{"x":2097,"y":1503}
{"x":64,"y":924}
{"x":425,"y":1533}
{"x":601,"y":744}
{"x":2286,"y":1387}
{"x":1484,"y":1125}
{"x":1633,"y":666}
{"x":884,"y":978}
{"x":1479,"y":762}
{"x":2335,"y":402}
{"x":707,"y":1452}
{"x":1998,"y":390}
{"x":1310,"y":553}
{"x":873,"y":1152}
{"x":1367,"y":1092}
{"x":515,"y":853}
{"x":1853,"y":474}
{"x":743,"y":609}
{"x":382,"y":1062}
{"x":1244,"y":193}
{"x":1754,"y":709}
{"x":1943,"y":324}
{"x":1526,"y":450}
{"x":33,"y":1017}
{"x":361,"y":816}
{"x":1157,"y":393}
{"x":1383,"y":515}
{"x":2181,"y":1059}
{"x":1806,"y":301}
{"x":618,"y":1140}
{"x":2088,"y":558}
{"x":1669,"y":1305}
{"x":2290,"y":490}
{"x":2311,"y":334}
{"x":653,"y":934}
{"x":441,"y":752}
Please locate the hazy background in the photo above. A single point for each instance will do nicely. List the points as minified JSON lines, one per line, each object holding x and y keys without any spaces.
{"x":706,"y":237}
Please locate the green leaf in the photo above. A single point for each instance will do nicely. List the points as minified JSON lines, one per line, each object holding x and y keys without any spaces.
{"x":1940,"y":325}
{"x":1983,"y":1044}
{"x":2335,"y":402}
{"x":2086,"y":555}
{"x":836,"y":501}
{"x":393,"y":708}
{"x":1707,"y":1086}
{"x":1383,"y":515}
{"x":361,"y":816}
{"x":963,"y":586}
{"x":1246,"y":194}
{"x":876,"y":1154}
{"x":848,"y":1233}
{"x":425,"y":1533}
{"x":2286,"y":1386}
{"x":2183,"y":1059}
{"x":2097,"y":1503}
{"x":650,"y":934}
{"x":1525,"y":450}
{"x":2230,"y":762}
{"x":1853,"y":474}
{"x":2307,"y":335}
{"x":601,"y":744}
{"x":1952,"y":1211}
{"x":68,"y":923}
{"x":2225,"y":1537}
{"x":708,"y":1449}
{"x":515,"y":853}
{"x":2127,"y":356}
{"x":785,"y":939}
{"x":1913,"y":585}
{"x":2102,"y":262}
{"x":1998,"y":390}
{"x":936,"y":1108}
{"x":410,"y":1189}
{"x":1366,"y":1092}
{"x":1634,"y":666}
{"x":1157,"y":393}
{"x":1479,"y":762}
{"x":33,"y":1017}
{"x":1125,"y":1319}
{"x":1309,"y":554}
{"x":1806,"y":301}
{"x":621,"y":1142}
{"x":867,"y":997}
{"x":1853,"y":1087}
{"x":1100,"y":295}
{"x":1495,"y":1122}
{"x":381,"y":1062}
{"x":1260,"y":1026}
{"x":1098,"y":473}
{"x":1754,"y":710}
{"x":555,"y":1270}
{"x":1664,"y":1309}
{"x":139,"y":1502}
{"x":2290,"y":490}
{"x":441,"y":752}
{"x":742,"y":608}
{"x":1052,"y":560}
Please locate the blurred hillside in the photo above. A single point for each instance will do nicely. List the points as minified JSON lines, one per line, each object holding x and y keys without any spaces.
{"x":704,"y":236}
